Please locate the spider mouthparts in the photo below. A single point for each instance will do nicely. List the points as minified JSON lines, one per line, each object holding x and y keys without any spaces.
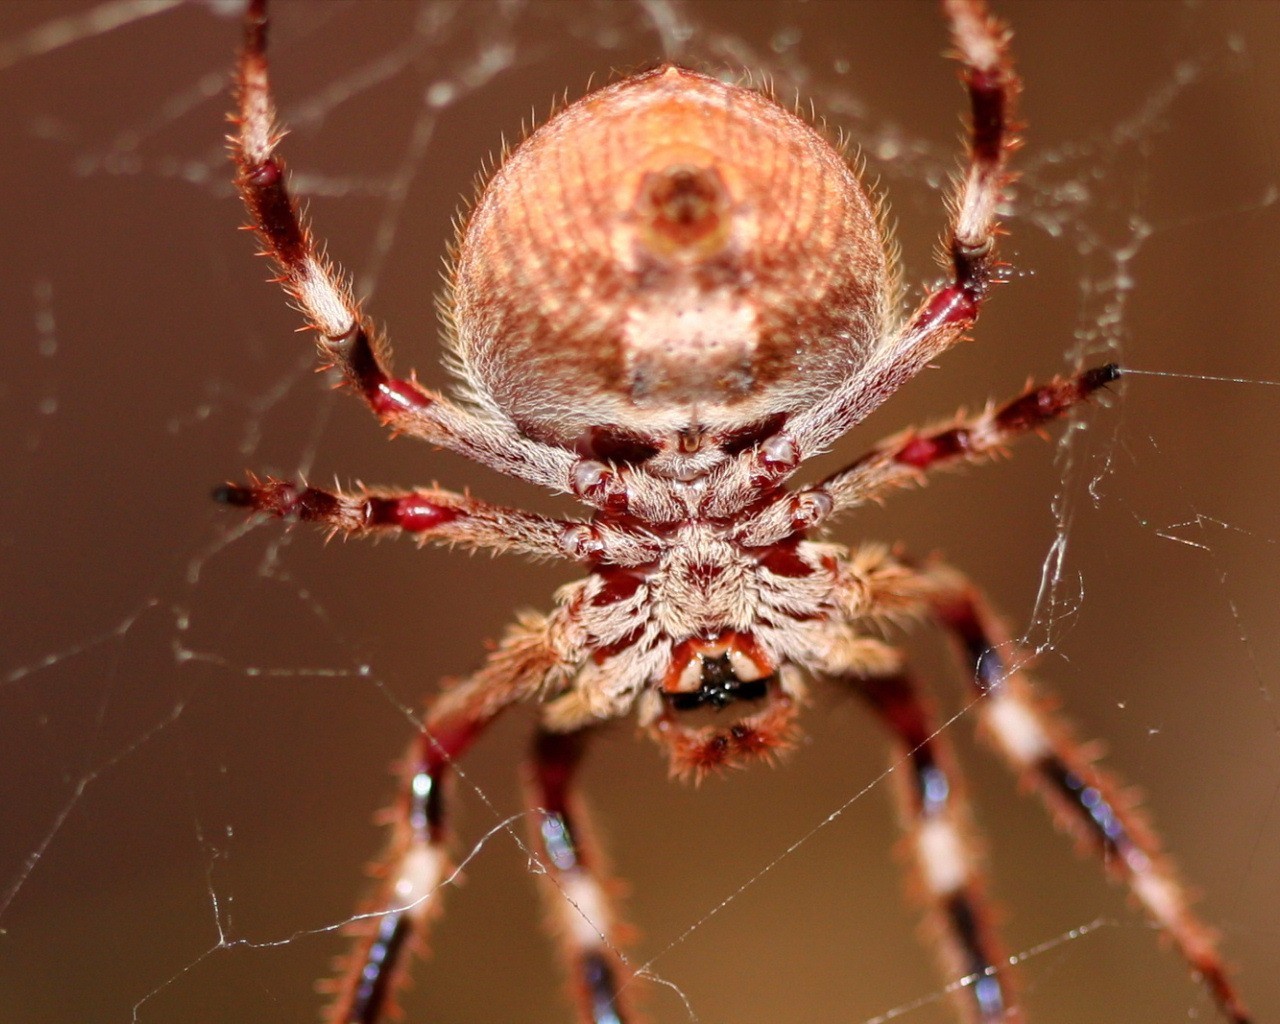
{"x":696,"y":752}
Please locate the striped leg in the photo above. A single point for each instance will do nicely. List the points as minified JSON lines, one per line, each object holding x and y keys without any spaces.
{"x":323,"y":294}
{"x":574,"y":886}
{"x":416,"y":864}
{"x":1085,"y":801}
{"x":981,"y":46}
{"x":936,"y":818}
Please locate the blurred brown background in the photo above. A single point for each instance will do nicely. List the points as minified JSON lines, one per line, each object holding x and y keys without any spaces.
{"x":195,"y":723}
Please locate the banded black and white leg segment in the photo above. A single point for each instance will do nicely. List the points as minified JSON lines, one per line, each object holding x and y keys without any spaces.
{"x":416,"y":865}
{"x":943,"y":850}
{"x":322,"y":292}
{"x":410,"y":874}
{"x":574,"y":885}
{"x":1085,"y":801}
{"x":394,"y":921}
{"x":982,"y":49}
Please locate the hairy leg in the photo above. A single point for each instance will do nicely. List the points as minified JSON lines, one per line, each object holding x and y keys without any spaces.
{"x":443,"y":517}
{"x":416,"y":864}
{"x":909,"y":457}
{"x":324,"y":296}
{"x":575,"y":883}
{"x":941,"y":843}
{"x":981,"y":45}
{"x":1085,"y":801}
{"x":906,"y":458}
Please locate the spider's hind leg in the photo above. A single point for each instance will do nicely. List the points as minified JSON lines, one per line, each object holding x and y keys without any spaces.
{"x":322,"y":292}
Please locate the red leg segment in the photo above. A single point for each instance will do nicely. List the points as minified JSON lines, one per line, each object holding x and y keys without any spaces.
{"x":416,"y":863}
{"x":982,"y":47}
{"x":905,"y":459}
{"x":432,"y":515}
{"x":323,"y":294}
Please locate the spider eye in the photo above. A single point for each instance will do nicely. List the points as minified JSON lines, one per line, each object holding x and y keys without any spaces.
{"x":720,"y":684}
{"x":716,"y":675}
{"x":621,"y":447}
{"x":736,"y":442}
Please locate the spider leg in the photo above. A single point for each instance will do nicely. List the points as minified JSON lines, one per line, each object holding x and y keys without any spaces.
{"x":574,"y":884}
{"x":432,"y":515}
{"x":416,"y":864}
{"x":324,"y":296}
{"x":981,"y":45}
{"x":940,"y":835}
{"x":906,"y":458}
{"x":1085,"y":801}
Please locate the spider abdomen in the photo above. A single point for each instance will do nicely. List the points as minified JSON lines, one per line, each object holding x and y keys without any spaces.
{"x":668,"y":252}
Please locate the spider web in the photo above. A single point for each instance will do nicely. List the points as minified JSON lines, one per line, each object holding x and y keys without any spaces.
{"x":196,"y":714}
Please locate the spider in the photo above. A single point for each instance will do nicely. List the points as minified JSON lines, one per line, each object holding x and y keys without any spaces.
{"x":662,"y":302}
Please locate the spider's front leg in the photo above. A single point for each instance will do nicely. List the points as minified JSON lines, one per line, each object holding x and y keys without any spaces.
{"x":323,"y":293}
{"x":1085,"y":801}
{"x":941,"y":835}
{"x":534,"y":654}
{"x":574,"y":884}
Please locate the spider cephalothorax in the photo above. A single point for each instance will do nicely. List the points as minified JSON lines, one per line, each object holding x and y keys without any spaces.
{"x":664,"y":300}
